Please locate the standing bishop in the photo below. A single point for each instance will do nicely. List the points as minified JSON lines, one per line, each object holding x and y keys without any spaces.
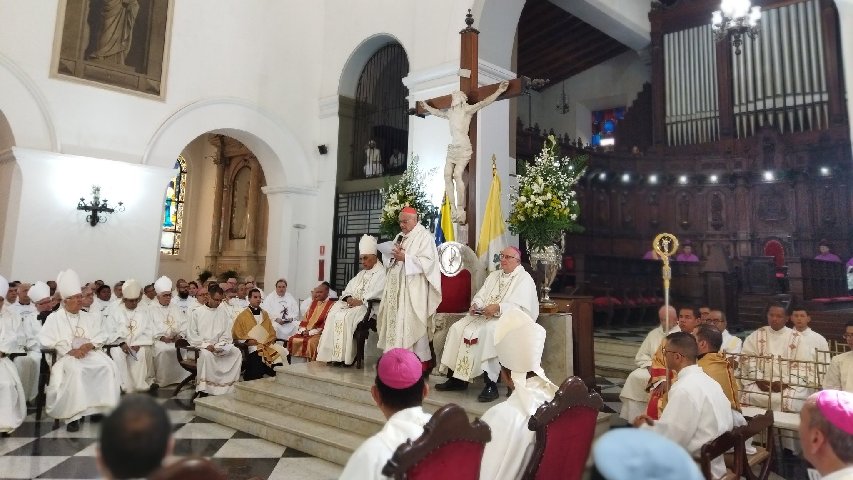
{"x":470,"y":347}
{"x":336,"y":342}
{"x":78,"y":337}
{"x":412,"y":291}
{"x":133,"y":331}
{"x":170,"y":324}
{"x":218,"y":360}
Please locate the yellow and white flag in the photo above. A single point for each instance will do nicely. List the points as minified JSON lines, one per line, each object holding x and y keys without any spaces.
{"x":491,"y":240}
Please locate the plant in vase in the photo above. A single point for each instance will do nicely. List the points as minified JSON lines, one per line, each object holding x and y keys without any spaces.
{"x":544,"y":206}
{"x":408,"y":190}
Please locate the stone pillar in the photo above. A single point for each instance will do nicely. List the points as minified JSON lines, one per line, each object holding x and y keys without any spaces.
{"x":216,"y":228}
{"x":253,"y":207}
{"x":291,"y":240}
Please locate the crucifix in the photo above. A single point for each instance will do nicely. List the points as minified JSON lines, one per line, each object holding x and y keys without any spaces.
{"x":462,"y":117}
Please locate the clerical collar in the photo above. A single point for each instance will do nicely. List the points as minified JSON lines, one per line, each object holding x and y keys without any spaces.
{"x":699,"y":357}
{"x":255,"y":311}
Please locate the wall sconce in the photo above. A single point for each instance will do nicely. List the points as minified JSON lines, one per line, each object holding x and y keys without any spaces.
{"x":97,"y":206}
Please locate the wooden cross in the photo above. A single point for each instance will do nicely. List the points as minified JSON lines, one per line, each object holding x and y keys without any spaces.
{"x":469,"y":85}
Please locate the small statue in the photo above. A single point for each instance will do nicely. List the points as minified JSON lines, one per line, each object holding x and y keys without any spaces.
{"x":372,"y":160}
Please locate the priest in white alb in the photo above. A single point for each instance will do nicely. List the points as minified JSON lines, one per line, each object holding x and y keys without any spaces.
{"x":519,"y":342}
{"x":13,"y":403}
{"x":839,"y":374}
{"x":78,"y":337}
{"x":170,"y":323}
{"x":777,"y":339}
{"x":731,"y":344}
{"x":412,"y":289}
{"x":283,"y":310}
{"x":219,"y":360}
{"x":29,"y":364}
{"x":810,"y":339}
{"x":469,"y":349}
{"x":336,"y":342}
{"x":133,"y":331}
{"x":634,"y":394}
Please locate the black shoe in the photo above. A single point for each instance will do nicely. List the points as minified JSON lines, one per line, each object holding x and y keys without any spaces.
{"x":153,"y":389}
{"x":73,"y":426}
{"x":451,"y":385}
{"x":96,"y":418}
{"x":489,"y":393}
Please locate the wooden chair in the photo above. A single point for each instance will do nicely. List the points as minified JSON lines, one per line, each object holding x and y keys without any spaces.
{"x":449,"y":448}
{"x":362,"y":331}
{"x":718,"y":447}
{"x":48,"y":358}
{"x":190,"y":468}
{"x":761,"y":426}
{"x":564,"y":429}
{"x":188,"y":363}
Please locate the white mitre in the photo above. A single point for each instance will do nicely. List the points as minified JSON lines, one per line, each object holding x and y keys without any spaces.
{"x":39,"y":291}
{"x":131,"y":290}
{"x":163,"y":285}
{"x":68,"y":283}
{"x":4,"y":286}
{"x":367,"y":245}
{"x":519,"y":343}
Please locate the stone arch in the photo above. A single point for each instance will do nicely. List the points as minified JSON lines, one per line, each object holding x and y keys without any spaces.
{"x":358,"y":59}
{"x":25,"y":111}
{"x":271,"y":142}
{"x":497,"y":22}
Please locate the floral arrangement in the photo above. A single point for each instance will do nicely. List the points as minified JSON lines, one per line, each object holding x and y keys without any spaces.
{"x":544,"y":203}
{"x":408,"y":190}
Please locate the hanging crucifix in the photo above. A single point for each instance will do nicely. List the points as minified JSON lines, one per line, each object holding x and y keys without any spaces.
{"x":462,"y":117}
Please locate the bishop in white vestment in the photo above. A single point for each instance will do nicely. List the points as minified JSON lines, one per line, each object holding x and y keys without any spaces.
{"x":78,"y":337}
{"x":336,"y":341}
{"x":283,"y":310}
{"x":412,"y":289}
{"x":133,"y":331}
{"x":399,"y":398}
{"x":13,"y":403}
{"x":469,"y":349}
{"x":839,"y":375}
{"x":634,"y":395}
{"x":29,"y":365}
{"x":219,"y":360}
{"x":519,"y":342}
{"x":170,"y":324}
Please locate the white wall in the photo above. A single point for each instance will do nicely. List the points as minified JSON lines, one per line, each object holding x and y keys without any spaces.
{"x":614,"y":83}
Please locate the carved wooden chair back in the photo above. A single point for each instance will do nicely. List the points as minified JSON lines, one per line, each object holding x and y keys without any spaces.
{"x":564,"y":430}
{"x":450,"y":447}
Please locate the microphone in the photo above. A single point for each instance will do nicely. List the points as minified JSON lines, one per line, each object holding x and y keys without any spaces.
{"x":397,"y":242}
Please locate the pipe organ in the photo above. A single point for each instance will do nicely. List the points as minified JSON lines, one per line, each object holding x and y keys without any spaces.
{"x":781,"y":79}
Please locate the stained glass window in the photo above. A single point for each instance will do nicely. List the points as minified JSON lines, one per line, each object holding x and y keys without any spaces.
{"x":173,"y":210}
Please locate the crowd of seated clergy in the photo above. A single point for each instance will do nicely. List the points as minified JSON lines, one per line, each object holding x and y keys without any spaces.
{"x":123,"y":338}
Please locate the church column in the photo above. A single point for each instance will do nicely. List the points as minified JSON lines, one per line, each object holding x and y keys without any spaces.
{"x":291,"y":242}
{"x":252,"y":207}
{"x":216,"y":228}
{"x":845,"y":17}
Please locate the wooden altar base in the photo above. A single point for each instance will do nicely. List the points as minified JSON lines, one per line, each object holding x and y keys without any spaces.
{"x":324,"y":411}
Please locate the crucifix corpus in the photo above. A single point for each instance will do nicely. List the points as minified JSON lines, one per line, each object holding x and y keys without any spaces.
{"x":462,"y":117}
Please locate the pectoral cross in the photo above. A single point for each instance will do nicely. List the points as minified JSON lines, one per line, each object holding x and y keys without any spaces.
{"x":469,"y":85}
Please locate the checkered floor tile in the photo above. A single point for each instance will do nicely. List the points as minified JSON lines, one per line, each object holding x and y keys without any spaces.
{"x":41,"y":450}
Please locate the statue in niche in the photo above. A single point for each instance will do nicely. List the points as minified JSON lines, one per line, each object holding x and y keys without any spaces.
{"x":240,"y":203}
{"x":716,"y":213}
{"x":117,"y":19}
{"x":459,"y":151}
{"x":372,"y":160}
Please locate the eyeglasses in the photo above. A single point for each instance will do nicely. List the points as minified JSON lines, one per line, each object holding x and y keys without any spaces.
{"x":665,"y":351}
{"x":507,"y":257}
{"x":847,"y":335}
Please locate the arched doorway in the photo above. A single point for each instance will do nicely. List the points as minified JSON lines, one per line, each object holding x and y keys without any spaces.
{"x":215,"y":216}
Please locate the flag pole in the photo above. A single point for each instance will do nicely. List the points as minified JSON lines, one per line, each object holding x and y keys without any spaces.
{"x":665,"y":245}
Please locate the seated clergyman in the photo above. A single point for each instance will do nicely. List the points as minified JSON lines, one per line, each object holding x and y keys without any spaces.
{"x":469,"y":349}
{"x":307,"y":338}
{"x":254,"y":327}
{"x":336,"y":341}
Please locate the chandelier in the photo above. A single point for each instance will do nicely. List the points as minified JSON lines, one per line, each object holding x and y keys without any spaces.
{"x":97,"y":207}
{"x":563,"y":107}
{"x":736,"y":17}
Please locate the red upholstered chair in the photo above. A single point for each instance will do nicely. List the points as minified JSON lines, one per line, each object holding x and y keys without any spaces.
{"x":455,"y":293}
{"x":449,"y":449}
{"x":564,"y":429}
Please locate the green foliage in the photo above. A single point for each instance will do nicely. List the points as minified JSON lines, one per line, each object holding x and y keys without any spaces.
{"x":408,"y":190}
{"x":544,"y":204}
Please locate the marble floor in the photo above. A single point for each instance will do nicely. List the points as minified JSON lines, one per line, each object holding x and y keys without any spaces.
{"x":37,"y":450}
